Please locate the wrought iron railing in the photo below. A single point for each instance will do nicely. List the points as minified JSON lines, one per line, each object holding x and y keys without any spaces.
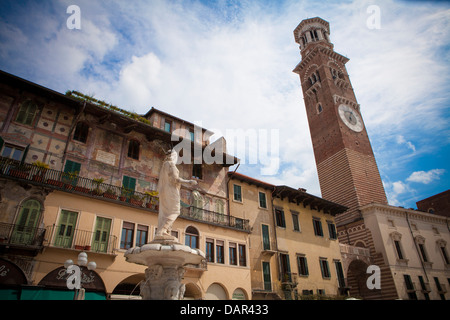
{"x":62,"y":236}
{"x":72,"y":182}
{"x":15,"y":234}
{"x":216,"y":218}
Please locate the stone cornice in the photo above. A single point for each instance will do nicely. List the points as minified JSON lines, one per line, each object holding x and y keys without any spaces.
{"x":402,"y":212}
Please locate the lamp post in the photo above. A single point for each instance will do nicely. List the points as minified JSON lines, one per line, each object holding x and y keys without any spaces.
{"x":74,"y":279}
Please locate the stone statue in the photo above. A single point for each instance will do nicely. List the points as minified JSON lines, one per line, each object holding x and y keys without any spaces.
{"x":169,"y":194}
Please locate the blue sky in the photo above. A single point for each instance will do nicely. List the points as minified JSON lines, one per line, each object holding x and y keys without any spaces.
{"x":228,"y":65}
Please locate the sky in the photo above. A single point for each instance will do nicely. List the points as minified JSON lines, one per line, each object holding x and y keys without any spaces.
{"x":227,"y":66}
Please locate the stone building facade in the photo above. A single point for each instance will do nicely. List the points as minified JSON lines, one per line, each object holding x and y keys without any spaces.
{"x":77,"y":174}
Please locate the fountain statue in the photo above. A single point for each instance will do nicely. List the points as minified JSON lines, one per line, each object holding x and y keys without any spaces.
{"x":165,"y":257}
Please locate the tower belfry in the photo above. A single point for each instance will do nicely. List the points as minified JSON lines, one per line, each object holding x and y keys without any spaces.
{"x":347,"y":170}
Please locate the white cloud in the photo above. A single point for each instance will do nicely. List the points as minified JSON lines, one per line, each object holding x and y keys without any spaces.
{"x":401,"y":140}
{"x":425,"y":177}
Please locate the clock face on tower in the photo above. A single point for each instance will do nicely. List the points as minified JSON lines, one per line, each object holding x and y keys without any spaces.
{"x":351,"y":118}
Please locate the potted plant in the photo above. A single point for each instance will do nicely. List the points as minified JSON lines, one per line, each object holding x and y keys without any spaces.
{"x":136,"y":200}
{"x":97,"y":191}
{"x":110,"y":194}
{"x":55,"y":182}
{"x":71,"y":179}
{"x":41,"y":168}
{"x":152,"y":199}
{"x":125,"y":194}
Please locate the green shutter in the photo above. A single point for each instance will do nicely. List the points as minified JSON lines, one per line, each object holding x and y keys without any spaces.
{"x":265,"y":235}
{"x":24,"y":155}
{"x":129,"y":183}
{"x":72,"y":167}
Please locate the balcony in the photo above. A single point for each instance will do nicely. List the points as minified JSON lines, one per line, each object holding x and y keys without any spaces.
{"x":69,"y":182}
{"x":66,"y":238}
{"x":215,"y":218}
{"x":14,"y":236}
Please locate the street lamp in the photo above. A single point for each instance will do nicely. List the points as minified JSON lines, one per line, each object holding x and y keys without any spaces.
{"x":74,"y":280}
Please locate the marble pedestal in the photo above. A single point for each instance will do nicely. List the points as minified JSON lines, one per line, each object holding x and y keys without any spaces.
{"x":166,"y":260}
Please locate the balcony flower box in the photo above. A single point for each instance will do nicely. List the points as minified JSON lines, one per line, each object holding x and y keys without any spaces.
{"x":55,"y":183}
{"x":18,"y":173}
{"x":82,"y":189}
{"x":37,"y":178}
{"x":110,"y":195}
{"x":136,"y":202}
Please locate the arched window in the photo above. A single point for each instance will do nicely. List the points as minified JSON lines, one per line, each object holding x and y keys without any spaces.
{"x":191,"y":238}
{"x":27,"y":113}
{"x":81,"y":132}
{"x":133,"y":149}
{"x":27,"y":222}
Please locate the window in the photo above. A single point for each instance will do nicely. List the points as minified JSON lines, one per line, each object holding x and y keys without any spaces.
{"x":191,"y":238}
{"x":168,"y":126}
{"x":72,"y":167}
{"x":423,"y":252}
{"x":126,"y":241}
{"x":220,"y":253}
{"x":129,"y":183}
{"x":262,"y":200}
{"x":191,"y":135}
{"x":100,"y":241}
{"x":133,"y":149}
{"x":319,"y":108}
{"x":340,"y":273}
{"x":141,"y":235}
{"x":410,"y":287}
{"x":266,"y":276}
{"x":444,"y":252}
{"x":66,"y":229}
{"x":317,"y":224}
{"x":209,"y":250}
{"x":302,"y":264}
{"x":242,"y":256}
{"x":398,"y":249}
{"x":233,"y":253}
{"x":27,"y":113}
{"x":425,"y":290}
{"x":279,"y":215}
{"x":26,"y":222}
{"x":332,"y":230}
{"x":285,"y":268}
{"x":237,"y":193}
{"x":13,"y":152}
{"x":81,"y":132}
{"x":265,"y":237}
{"x":197,"y":171}
{"x":295,"y":221}
{"x":324,"y":268}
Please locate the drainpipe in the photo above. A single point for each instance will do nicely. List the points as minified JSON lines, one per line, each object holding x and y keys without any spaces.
{"x":417,"y":249}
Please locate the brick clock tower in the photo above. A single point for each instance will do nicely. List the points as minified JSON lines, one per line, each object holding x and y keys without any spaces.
{"x":348,"y":173}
